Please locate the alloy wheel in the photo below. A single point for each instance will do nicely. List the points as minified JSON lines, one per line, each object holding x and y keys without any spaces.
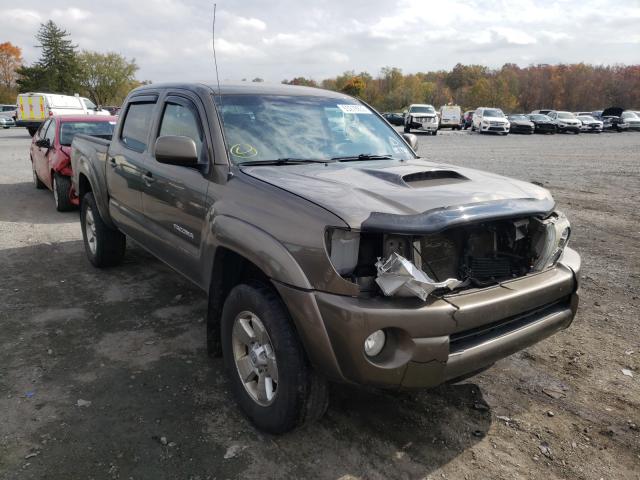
{"x":255,"y":359}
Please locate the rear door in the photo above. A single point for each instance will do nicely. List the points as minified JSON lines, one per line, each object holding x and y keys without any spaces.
{"x":174,"y":197}
{"x":127,"y":158}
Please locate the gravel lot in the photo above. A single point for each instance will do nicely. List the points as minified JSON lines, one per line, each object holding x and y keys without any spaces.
{"x":131,"y":342}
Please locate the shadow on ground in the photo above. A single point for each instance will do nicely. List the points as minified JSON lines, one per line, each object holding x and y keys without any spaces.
{"x":23,"y":203}
{"x":130,"y":341}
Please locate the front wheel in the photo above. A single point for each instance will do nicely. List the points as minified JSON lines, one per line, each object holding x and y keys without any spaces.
{"x":104,"y":246}
{"x":61,"y":192}
{"x":435,"y":132}
{"x":270,"y":375}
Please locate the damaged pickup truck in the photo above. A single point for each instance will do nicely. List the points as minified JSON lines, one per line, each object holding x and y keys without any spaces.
{"x":329,"y":250}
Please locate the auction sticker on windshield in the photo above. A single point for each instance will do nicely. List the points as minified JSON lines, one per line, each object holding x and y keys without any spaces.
{"x":353,"y":108}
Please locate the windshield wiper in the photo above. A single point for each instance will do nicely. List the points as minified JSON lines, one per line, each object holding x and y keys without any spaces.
{"x":362,"y":156}
{"x":283,"y":161}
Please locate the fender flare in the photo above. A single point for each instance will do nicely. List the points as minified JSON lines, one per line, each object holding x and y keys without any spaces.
{"x":98,"y":188}
{"x":258,"y":247}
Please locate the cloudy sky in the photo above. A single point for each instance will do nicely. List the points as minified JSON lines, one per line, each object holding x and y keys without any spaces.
{"x":171,"y":39}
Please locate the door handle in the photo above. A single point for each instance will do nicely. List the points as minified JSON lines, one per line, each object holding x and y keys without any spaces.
{"x":148,"y":179}
{"x":112,"y":162}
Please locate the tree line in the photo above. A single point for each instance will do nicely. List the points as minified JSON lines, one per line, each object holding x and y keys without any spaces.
{"x":106,"y":78}
{"x":573,"y":87}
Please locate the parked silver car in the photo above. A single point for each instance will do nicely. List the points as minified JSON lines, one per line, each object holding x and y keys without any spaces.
{"x":590,"y":124}
{"x":7,"y":116}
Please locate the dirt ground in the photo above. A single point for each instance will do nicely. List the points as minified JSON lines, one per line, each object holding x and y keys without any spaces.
{"x":104,"y":374}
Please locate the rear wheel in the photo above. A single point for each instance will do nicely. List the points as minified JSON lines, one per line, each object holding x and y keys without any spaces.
{"x":32,"y":130}
{"x":406,"y":129}
{"x":61,"y":192}
{"x":104,"y":246}
{"x":270,"y":375}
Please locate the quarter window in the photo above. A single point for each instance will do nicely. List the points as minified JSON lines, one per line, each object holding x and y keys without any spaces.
{"x":135,"y":130}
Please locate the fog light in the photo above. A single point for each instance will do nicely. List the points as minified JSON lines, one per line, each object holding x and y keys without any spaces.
{"x":374,"y":343}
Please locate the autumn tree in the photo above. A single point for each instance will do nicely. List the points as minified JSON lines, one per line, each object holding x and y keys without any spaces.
{"x":307,"y":82}
{"x":354,"y":87}
{"x":10,"y":62}
{"x":58,"y":69}
{"x":106,"y":77}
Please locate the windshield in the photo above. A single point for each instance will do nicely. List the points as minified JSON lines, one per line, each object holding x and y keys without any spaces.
{"x":493,"y":112}
{"x":629,"y":115}
{"x":96,"y":129}
{"x":518,"y":117}
{"x":586,"y":118}
{"x":89,"y":104}
{"x":566,"y":115}
{"x":538,"y":117}
{"x":423,"y":109}
{"x":271,"y":127}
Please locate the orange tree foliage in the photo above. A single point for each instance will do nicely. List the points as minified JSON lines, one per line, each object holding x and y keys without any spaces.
{"x":573,"y":87}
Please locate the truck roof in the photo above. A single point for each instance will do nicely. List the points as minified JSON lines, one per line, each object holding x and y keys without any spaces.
{"x":249,"y":88}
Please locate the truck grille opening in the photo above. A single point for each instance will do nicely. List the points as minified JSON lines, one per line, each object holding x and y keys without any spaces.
{"x":481,"y":254}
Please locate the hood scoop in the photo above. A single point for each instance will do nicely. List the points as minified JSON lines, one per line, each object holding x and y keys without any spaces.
{"x":433,"y":178}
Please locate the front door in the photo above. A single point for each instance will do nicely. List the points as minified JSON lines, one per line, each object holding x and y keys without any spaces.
{"x":174,"y":196}
{"x":42,"y":157}
{"x":127,"y":157}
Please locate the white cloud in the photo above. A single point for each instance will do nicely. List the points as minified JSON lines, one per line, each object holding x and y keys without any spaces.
{"x":171,"y":39}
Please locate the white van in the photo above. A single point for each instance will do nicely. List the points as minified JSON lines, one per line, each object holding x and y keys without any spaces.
{"x":35,"y":108}
{"x":450,"y":117}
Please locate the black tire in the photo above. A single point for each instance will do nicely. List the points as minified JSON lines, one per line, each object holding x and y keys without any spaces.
{"x":406,"y":129}
{"x":61,"y":193}
{"x":32,"y":130}
{"x":301,"y":395}
{"x":109,"y":244}
{"x":36,"y":180}
{"x":435,"y":132}
{"x":473,"y":128}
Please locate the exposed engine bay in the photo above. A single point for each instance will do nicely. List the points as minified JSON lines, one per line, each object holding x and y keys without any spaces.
{"x":470,"y":256}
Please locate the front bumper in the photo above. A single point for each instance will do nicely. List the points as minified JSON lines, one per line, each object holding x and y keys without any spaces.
{"x":437,"y":341}
{"x":494,"y":128}
{"x":427,"y":126}
{"x":569,"y":128}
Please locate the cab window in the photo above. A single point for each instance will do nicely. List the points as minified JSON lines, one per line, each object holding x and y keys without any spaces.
{"x":182,"y":119}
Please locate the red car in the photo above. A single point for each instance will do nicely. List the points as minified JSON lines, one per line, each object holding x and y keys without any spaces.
{"x":51,"y":147}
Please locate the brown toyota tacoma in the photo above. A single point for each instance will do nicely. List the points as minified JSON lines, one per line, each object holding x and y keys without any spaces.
{"x":329,"y":250}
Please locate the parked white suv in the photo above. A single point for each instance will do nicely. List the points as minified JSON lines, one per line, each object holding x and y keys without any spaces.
{"x":565,"y":121}
{"x":421,"y":117}
{"x":490,"y":120}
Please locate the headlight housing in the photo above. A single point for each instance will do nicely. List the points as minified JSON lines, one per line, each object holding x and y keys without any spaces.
{"x":552,"y":238}
{"x":342,"y":248}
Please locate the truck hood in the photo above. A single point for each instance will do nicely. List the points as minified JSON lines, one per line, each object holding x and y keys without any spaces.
{"x":406,"y":196}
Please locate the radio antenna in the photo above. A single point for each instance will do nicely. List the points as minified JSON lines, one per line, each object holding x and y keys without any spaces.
{"x":215,"y":60}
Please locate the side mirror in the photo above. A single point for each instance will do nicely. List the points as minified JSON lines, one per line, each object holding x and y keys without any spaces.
{"x":43,"y":143}
{"x":176,"y":150}
{"x":412,"y":140}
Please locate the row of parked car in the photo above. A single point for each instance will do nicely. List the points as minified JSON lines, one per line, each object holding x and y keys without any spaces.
{"x":32,"y":109}
{"x":484,"y":120}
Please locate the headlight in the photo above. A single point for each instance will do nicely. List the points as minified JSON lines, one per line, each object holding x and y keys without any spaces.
{"x":342,"y":247}
{"x":374,"y":343}
{"x":552,"y":237}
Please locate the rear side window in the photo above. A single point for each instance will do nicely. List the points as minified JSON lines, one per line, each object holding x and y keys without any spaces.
{"x":135,"y":130}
